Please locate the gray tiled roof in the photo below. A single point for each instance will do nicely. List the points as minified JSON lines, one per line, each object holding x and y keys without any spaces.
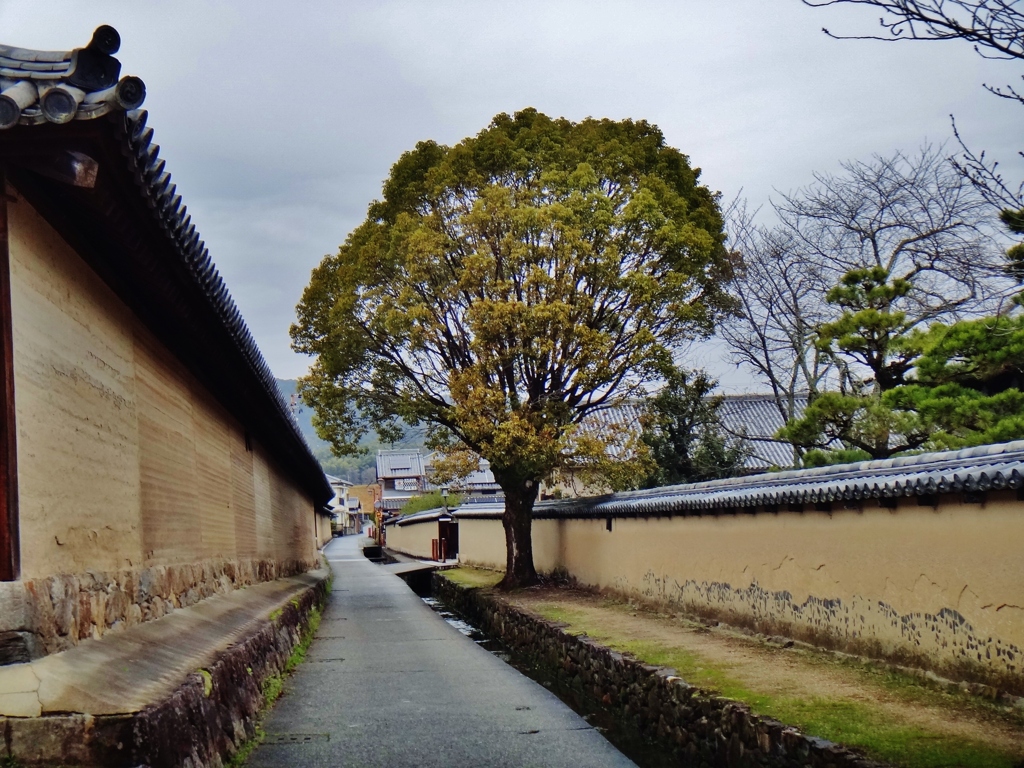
{"x":989,"y":467}
{"x":756,"y":418}
{"x":614,"y":425}
{"x":985,"y":468}
{"x":60,"y":86}
{"x":399,"y":464}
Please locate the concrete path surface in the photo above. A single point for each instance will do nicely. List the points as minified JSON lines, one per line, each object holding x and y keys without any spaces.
{"x":388,"y":682}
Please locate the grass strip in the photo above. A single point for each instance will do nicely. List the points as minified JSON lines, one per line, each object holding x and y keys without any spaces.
{"x":472,"y":577}
{"x":853,"y":724}
{"x":274,"y":685}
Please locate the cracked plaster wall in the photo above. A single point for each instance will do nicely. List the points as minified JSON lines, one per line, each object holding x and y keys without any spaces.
{"x":940,"y":588}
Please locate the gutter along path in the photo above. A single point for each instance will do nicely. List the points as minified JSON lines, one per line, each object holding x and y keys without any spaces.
{"x":387,"y":682}
{"x":890,"y":715}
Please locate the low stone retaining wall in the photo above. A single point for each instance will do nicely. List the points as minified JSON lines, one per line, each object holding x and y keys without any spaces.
{"x":694,"y":726}
{"x":53,"y":613}
{"x":201,"y":725}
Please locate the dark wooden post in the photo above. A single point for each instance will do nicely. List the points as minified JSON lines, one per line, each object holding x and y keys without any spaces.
{"x":10,"y":550}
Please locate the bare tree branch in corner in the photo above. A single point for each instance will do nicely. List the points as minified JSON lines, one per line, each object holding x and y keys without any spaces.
{"x":995,"y":27}
{"x":913,"y":216}
{"x":986,"y":177}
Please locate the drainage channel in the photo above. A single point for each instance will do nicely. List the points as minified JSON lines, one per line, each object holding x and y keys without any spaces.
{"x":642,"y":751}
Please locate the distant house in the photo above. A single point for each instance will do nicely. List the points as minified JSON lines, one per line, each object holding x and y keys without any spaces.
{"x":355,"y":516}
{"x":129,"y":374}
{"x":401,"y":474}
{"x":345,"y":507}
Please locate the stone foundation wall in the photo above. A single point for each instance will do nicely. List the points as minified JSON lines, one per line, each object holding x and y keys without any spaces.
{"x":694,"y":726}
{"x":51,"y":614}
{"x":200,"y":726}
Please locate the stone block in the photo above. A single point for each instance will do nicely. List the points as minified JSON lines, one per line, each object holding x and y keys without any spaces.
{"x":57,"y":740}
{"x":14,"y":611}
{"x":85,"y":615}
{"x":18,"y":678}
{"x":64,"y":598}
{"x":19,"y":705}
{"x":117,"y":605}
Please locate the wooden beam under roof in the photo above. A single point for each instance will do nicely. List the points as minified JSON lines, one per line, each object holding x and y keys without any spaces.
{"x":10,"y":546}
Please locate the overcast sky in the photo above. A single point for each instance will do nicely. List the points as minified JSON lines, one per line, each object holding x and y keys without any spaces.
{"x":279,"y":122}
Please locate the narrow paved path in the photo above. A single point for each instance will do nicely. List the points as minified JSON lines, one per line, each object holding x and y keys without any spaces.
{"x":388,"y":683}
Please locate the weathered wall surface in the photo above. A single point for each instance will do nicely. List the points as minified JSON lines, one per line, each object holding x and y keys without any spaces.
{"x":323,"y":530}
{"x":482,"y":543}
{"x":415,"y":539}
{"x":130,"y":473}
{"x":941,"y":588}
{"x":76,"y":394}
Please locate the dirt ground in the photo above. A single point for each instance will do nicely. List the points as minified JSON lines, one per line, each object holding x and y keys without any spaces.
{"x":769,"y":670}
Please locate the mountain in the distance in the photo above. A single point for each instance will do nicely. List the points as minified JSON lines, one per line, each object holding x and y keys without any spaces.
{"x":303,"y":415}
{"x":302,"y":412}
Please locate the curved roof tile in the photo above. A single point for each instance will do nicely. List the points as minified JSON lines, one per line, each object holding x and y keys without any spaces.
{"x":991,"y":467}
{"x":60,"y":86}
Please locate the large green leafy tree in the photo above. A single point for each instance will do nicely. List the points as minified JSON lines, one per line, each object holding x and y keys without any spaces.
{"x":506,"y":288}
{"x":683,"y":431}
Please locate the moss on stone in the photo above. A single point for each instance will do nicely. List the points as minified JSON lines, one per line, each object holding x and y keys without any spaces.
{"x":472,"y":577}
{"x":207,"y":682}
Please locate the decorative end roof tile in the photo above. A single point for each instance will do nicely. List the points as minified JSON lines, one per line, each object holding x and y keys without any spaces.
{"x":60,"y":86}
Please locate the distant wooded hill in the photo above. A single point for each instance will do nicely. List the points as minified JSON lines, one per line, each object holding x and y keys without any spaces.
{"x":356,"y":469}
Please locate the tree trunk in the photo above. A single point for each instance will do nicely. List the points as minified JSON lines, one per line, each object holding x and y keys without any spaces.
{"x":518,"y":523}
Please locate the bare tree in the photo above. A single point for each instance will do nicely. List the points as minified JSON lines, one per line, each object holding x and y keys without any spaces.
{"x":996,"y":30}
{"x":781,"y":298}
{"x":913,"y":216}
{"x":986,"y":177}
{"x":995,"y":27}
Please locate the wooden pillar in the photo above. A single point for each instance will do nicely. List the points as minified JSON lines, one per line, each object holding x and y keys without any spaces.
{"x":10,"y":549}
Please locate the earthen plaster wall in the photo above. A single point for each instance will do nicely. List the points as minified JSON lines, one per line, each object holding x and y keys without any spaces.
{"x":323,"y":530}
{"x":414,"y":539}
{"x":942,"y":587}
{"x":126,"y":463}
